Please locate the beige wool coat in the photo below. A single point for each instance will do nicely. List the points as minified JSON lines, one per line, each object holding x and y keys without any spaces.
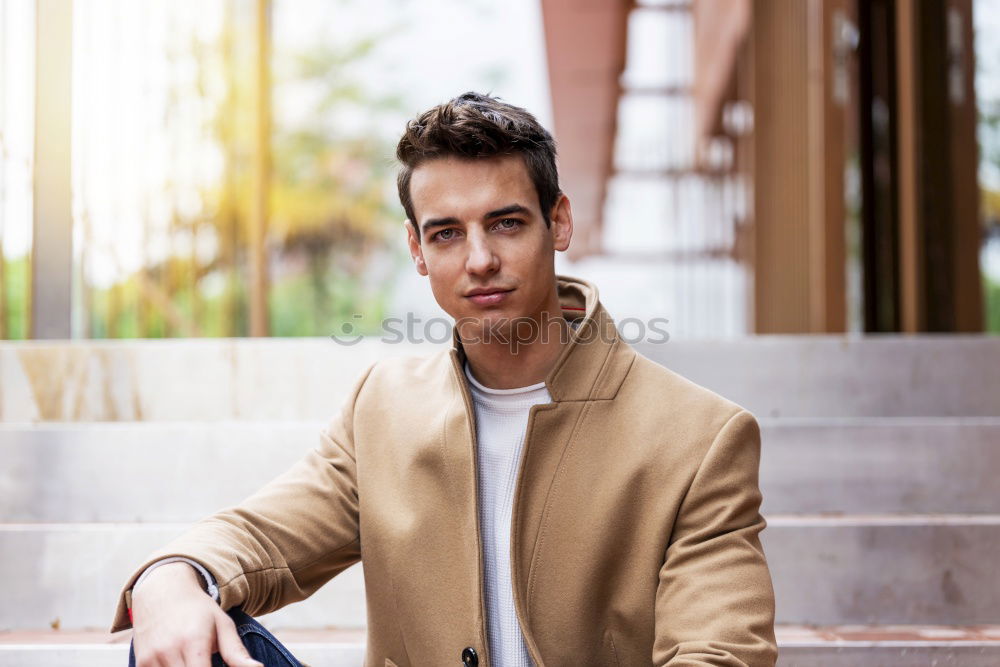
{"x":634,"y":536}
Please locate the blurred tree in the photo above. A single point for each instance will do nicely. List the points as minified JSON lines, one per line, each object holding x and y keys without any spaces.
{"x":331,"y":200}
{"x":329,"y":204}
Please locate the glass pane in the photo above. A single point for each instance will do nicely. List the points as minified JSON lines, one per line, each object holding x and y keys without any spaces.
{"x":986,"y":15}
{"x":17,"y":85}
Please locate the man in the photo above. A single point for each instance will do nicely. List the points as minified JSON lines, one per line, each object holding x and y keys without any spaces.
{"x":538,"y":494}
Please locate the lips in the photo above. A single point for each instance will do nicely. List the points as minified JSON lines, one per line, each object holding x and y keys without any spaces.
{"x":485,"y":290}
{"x":488,"y":296}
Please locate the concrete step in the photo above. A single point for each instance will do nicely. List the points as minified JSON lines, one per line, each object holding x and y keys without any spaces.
{"x":69,"y":576}
{"x":774,"y":376}
{"x":900,"y":646}
{"x":183,"y":379}
{"x":827,"y":570}
{"x":845,"y":376}
{"x":880,"y":465}
{"x":890,"y":569}
{"x":134,"y":471}
{"x":327,"y":648}
{"x":141,"y":471}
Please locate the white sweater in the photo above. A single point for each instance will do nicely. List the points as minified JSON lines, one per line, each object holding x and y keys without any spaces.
{"x":501,"y":420}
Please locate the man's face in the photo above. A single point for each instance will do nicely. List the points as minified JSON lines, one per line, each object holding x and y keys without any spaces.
{"x":483,"y":241}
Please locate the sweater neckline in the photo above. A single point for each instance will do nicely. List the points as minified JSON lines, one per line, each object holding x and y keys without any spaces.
{"x":515,"y":391}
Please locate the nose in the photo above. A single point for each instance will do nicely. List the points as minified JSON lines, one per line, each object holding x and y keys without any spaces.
{"x":482,"y":260}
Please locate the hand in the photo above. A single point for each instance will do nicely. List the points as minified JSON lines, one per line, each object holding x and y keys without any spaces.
{"x":176,"y":624}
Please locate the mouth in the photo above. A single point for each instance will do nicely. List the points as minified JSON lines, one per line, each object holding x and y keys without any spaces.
{"x":488,"y":296}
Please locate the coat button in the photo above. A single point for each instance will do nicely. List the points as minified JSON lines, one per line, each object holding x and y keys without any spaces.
{"x":469,"y":657}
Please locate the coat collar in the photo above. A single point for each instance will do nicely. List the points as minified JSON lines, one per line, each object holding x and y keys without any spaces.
{"x":595,"y":363}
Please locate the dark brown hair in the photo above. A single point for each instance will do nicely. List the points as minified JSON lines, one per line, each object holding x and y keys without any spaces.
{"x":474,"y":125}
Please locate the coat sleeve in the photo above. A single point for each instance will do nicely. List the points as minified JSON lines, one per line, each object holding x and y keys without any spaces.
{"x":714,"y":600}
{"x":286,"y":540}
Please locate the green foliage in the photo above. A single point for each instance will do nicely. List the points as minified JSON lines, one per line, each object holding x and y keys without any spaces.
{"x":989,"y":205}
{"x":991,"y":302}
{"x":340,"y":301}
{"x":15,"y":286}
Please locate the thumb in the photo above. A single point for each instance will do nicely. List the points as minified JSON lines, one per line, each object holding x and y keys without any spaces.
{"x":230,"y":645}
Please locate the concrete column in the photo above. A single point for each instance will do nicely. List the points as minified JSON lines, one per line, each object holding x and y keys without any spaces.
{"x":52,"y":231}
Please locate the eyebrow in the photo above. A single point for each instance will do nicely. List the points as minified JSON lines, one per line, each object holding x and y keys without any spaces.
{"x":506,"y":210}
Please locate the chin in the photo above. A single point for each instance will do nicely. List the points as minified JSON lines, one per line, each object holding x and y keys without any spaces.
{"x":478,"y":324}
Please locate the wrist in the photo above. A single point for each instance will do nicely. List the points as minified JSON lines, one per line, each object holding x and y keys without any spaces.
{"x":169,"y":578}
{"x":209,"y":581}
{"x":175,"y":570}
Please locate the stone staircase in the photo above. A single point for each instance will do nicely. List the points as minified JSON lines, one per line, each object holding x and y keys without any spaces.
{"x":878,"y":471}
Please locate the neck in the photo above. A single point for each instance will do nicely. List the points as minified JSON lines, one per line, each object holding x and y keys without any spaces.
{"x":512,"y":364}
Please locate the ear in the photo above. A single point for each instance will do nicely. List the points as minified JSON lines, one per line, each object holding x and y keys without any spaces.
{"x":561,"y":223}
{"x":416,"y":250}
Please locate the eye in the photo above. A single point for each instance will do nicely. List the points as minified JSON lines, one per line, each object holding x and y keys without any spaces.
{"x":444,"y":235}
{"x":509,"y":223}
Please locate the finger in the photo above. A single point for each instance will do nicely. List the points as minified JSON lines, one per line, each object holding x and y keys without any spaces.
{"x":231,"y":647}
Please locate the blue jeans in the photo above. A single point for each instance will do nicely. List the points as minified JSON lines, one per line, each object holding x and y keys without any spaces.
{"x":260,"y":643}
